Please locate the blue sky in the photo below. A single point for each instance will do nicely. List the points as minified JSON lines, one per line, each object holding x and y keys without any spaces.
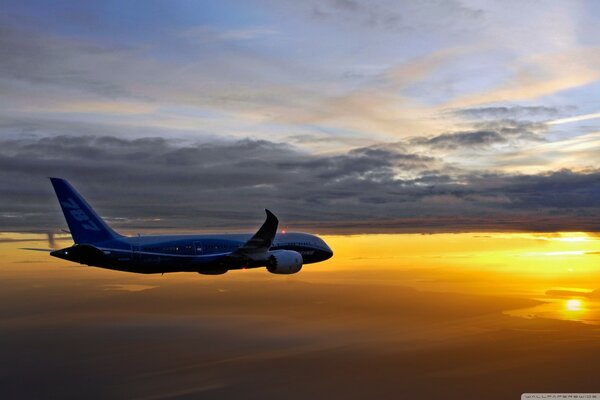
{"x":469,"y":88}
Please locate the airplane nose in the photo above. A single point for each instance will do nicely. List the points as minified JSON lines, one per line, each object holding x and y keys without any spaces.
{"x":324,"y":252}
{"x":328,"y":253}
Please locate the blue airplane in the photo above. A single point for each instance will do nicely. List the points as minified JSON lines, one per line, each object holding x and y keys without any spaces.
{"x":96,"y":244}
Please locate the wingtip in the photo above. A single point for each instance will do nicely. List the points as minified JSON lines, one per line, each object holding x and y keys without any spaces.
{"x":270,"y":214}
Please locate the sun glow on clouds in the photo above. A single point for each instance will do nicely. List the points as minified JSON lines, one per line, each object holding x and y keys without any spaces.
{"x":515,"y":264}
{"x":520,"y":260}
{"x":526,"y":262}
{"x":573,"y":305}
{"x":522,"y":264}
{"x":490,"y":263}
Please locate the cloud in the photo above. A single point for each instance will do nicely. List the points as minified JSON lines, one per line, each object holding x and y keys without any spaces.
{"x":539,"y":75}
{"x":578,"y":153}
{"x":576,"y":118}
{"x":220,"y":338}
{"x":155,"y":183}
{"x":65,"y":63}
{"x":393,"y":16}
{"x":594,"y":294}
{"x":379,"y":105}
{"x":488,"y":133}
{"x":208,"y":33}
{"x":512,"y":112}
{"x":51,"y":74}
{"x":231,"y":89}
{"x":234,"y":123}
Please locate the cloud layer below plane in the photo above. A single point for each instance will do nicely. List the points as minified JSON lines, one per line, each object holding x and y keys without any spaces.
{"x":257,"y":335}
{"x":339,"y":115}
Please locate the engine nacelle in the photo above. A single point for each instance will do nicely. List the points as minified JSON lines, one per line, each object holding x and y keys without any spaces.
{"x":284,"y":262}
{"x":214,"y":271}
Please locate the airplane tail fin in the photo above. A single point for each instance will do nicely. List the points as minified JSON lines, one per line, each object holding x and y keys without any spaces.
{"x":85,"y":225}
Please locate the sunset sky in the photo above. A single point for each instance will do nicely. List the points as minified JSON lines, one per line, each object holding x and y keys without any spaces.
{"x":351,"y":116}
{"x":448,"y":151}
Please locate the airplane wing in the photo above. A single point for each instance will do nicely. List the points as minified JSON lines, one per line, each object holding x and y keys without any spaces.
{"x":256,"y":247}
{"x":251,"y":253}
{"x":262,"y":240}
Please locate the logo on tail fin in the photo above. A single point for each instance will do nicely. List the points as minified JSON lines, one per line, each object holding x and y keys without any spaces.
{"x":85,"y":225}
{"x":80,"y":215}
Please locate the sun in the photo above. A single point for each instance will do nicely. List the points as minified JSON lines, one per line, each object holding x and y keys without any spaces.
{"x":573,"y":305}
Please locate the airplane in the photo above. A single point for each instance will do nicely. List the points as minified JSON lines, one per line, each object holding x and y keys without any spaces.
{"x":97,"y":245}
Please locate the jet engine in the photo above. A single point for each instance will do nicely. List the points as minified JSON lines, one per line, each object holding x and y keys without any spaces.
{"x":284,"y":262}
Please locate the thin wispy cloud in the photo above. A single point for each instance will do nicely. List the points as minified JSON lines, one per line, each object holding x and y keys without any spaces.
{"x":575,"y":118}
{"x":208,"y":33}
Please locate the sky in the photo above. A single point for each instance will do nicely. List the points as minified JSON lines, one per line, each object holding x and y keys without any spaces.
{"x":447,"y":152}
{"x":342,"y":116}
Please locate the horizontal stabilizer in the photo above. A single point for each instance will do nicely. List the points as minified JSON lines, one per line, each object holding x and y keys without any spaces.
{"x":35,"y":249}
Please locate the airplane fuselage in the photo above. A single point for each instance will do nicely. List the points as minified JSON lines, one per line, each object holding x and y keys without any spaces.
{"x":206,"y":254}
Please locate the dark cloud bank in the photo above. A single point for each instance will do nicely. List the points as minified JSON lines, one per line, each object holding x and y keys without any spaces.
{"x":484,"y":134}
{"x":155,"y":183}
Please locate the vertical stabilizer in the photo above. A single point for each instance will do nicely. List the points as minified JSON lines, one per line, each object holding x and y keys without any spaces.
{"x":85,"y":225}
